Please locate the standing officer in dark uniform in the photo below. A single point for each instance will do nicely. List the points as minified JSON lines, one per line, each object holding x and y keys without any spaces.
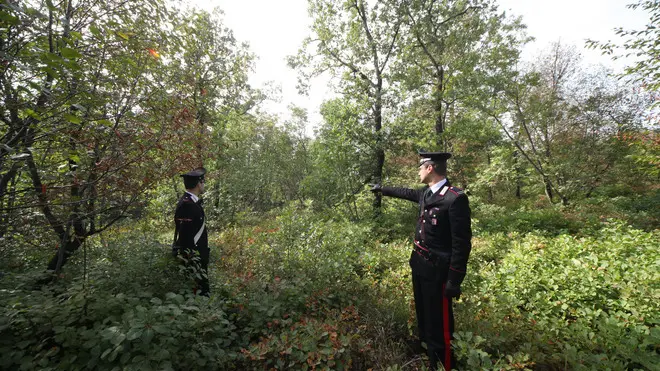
{"x":190,"y":236}
{"x":441,"y":248}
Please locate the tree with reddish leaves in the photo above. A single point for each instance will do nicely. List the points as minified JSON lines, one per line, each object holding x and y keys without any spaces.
{"x":94,"y":112}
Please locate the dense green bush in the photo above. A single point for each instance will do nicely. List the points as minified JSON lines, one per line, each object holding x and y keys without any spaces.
{"x":133,"y":309}
{"x":581,"y":302}
{"x":548,"y":221}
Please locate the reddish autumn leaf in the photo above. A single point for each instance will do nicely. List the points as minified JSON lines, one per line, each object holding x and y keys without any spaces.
{"x":154,"y":53}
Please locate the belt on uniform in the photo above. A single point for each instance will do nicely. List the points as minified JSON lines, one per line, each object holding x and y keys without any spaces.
{"x":423,"y":251}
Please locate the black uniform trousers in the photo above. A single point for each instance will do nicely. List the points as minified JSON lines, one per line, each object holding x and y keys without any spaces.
{"x":203,"y":282}
{"x":435,"y":315}
{"x":435,"y":319}
{"x":199,"y":261}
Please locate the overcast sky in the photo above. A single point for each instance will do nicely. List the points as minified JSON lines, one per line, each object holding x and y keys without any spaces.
{"x":275,"y":29}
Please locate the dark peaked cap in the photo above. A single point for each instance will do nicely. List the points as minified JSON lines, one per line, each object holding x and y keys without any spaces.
{"x":197,"y":173}
{"x":437,"y":157}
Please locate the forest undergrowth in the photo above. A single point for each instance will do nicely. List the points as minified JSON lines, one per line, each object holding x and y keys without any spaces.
{"x":547,"y":289}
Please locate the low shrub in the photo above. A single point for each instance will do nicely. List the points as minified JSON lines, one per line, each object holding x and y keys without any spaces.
{"x":569,"y":302}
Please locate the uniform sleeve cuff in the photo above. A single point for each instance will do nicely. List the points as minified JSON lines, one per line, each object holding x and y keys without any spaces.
{"x":455,"y":276}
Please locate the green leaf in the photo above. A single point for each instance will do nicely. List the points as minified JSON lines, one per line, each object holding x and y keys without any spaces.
{"x":72,"y":118}
{"x":122,"y":35}
{"x":118,"y":339}
{"x":9,"y":18}
{"x":79,"y":107}
{"x":134,"y":333}
{"x":114,"y":353}
{"x":59,"y":329}
{"x":147,"y":335}
{"x":70,"y":53}
{"x":160,"y":329}
{"x":32,"y":114}
{"x":106,"y":352}
{"x":163,"y":354}
{"x":50,"y":71}
{"x":95,"y":30}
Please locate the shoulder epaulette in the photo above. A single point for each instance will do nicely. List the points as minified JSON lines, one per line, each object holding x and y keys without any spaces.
{"x":186,"y":198}
{"x":456,"y":191}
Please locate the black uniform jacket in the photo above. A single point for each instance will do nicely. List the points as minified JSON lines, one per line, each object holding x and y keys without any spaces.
{"x":443,"y":234}
{"x":189,"y":218}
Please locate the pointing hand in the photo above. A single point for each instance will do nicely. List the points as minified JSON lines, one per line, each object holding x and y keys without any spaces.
{"x":375,"y":188}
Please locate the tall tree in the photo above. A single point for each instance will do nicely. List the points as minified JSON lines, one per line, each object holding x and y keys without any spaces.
{"x":263,"y":163}
{"x":212,"y":87}
{"x":563,"y":120}
{"x":641,"y":46}
{"x":340,"y":155}
{"x":455,"y":53}
{"x":356,"y":42}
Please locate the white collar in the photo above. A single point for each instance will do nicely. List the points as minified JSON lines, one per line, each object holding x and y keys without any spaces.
{"x":438,"y":185}
{"x":192,"y":195}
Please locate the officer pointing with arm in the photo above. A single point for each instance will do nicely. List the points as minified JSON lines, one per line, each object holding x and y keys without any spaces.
{"x":440,"y":253}
{"x":190,"y":236}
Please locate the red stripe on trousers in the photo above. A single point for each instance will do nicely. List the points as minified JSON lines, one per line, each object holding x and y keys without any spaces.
{"x":445,"y":319}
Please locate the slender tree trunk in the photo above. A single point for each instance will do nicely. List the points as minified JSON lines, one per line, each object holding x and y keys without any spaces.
{"x":6,"y":217}
{"x":490,"y":188}
{"x":548,"y":189}
{"x":380,"y":152}
{"x":518,"y":174}
{"x":439,"y":114}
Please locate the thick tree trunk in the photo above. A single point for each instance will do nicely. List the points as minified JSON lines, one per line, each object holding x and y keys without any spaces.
{"x":63,"y":252}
